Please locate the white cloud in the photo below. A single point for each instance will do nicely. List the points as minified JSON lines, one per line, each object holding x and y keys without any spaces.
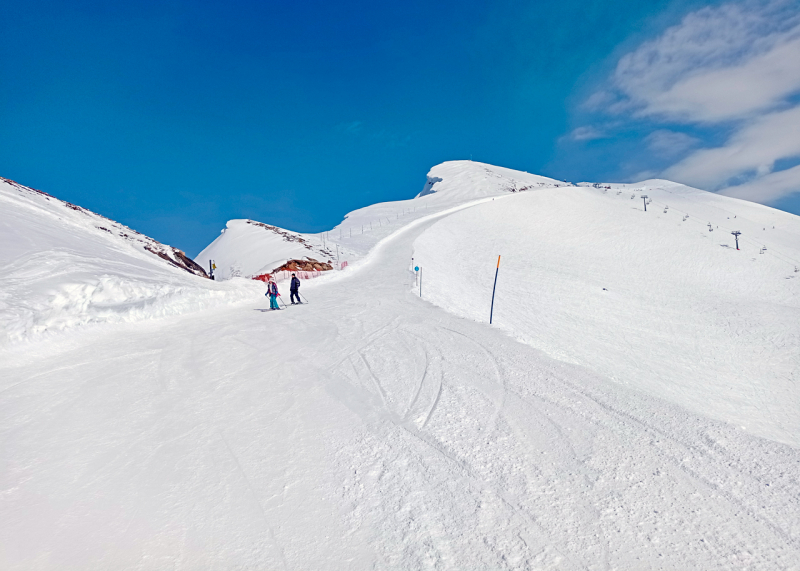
{"x":736,"y":65}
{"x":599,"y":100}
{"x":719,"y":64}
{"x":586,"y":133}
{"x":751,"y":150}
{"x":669,"y":144}
{"x":767,"y":188}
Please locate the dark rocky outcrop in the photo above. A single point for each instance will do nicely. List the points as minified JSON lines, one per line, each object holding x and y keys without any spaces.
{"x":169,"y":254}
{"x":307,"y":265}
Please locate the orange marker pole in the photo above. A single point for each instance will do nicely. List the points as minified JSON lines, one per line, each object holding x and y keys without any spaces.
{"x":497,"y":271}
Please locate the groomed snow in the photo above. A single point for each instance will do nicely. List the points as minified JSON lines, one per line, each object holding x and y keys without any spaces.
{"x":653,"y":300}
{"x":371,"y":429}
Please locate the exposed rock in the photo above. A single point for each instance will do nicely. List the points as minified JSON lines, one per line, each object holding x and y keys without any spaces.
{"x":307,"y":265}
{"x":169,"y":254}
{"x":178,"y":259}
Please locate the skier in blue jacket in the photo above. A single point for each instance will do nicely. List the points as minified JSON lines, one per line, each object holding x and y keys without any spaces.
{"x":272,"y":292}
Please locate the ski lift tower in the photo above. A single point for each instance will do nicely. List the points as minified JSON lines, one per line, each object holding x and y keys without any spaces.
{"x":736,"y":235}
{"x":644,"y":197}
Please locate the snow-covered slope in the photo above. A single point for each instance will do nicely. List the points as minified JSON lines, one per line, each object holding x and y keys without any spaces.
{"x":448,"y":185}
{"x":248,"y":248}
{"x":371,"y":429}
{"x":251,"y":248}
{"x":64,"y":266}
{"x":461,"y":181}
{"x":17,"y":197}
{"x":654,"y":300}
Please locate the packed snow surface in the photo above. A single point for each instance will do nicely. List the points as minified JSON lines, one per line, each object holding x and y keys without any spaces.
{"x":653,"y":300}
{"x":372,"y":429}
{"x":64,"y":267}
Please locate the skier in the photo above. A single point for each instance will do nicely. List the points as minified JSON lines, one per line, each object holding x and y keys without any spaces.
{"x":272,"y":292}
{"x":294,"y":290}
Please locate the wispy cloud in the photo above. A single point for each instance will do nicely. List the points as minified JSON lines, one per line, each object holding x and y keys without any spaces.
{"x":734,"y":66}
{"x":670,"y":144}
{"x":586,"y":133}
{"x":768,"y":188}
{"x":723,"y":63}
{"x":750,"y":152}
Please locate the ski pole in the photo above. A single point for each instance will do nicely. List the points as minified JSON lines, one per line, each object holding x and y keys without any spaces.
{"x":302,"y":296}
{"x":279,"y":299}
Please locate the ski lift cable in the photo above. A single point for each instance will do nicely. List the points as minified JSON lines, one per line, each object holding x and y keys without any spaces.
{"x":773,"y":250}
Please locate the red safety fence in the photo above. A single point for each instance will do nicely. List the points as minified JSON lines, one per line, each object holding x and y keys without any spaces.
{"x":303,"y":275}
{"x":286,"y":274}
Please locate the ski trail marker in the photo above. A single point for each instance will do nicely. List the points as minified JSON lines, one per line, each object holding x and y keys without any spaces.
{"x":497,"y":271}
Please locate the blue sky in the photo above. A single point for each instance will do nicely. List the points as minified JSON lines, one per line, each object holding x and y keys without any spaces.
{"x":173,"y":117}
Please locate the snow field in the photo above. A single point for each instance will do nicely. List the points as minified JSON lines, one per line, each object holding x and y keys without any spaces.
{"x":650,"y":300}
{"x":372,"y":429}
{"x":368,"y":430}
{"x":63,"y":268}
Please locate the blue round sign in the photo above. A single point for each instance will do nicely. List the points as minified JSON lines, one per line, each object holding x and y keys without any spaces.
{"x":416,"y":268}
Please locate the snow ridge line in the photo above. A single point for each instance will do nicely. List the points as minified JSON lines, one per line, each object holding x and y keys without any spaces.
{"x":375,"y":251}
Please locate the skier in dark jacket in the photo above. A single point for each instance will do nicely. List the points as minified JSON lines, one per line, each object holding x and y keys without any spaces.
{"x":293,"y":288}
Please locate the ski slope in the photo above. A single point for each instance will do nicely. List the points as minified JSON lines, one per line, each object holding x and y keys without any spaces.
{"x":372,"y":429}
{"x":653,"y":300}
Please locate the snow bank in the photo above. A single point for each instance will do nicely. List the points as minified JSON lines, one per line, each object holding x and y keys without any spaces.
{"x":64,"y":267}
{"x":653,"y":300}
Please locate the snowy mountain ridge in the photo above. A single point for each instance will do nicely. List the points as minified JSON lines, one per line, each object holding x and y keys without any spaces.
{"x":470,"y":180}
{"x":246,"y":248}
{"x":65,"y":266}
{"x":60,"y":208}
{"x":241,"y":249}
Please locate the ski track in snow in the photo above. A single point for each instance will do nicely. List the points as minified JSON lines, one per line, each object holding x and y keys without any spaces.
{"x":366,"y":430}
